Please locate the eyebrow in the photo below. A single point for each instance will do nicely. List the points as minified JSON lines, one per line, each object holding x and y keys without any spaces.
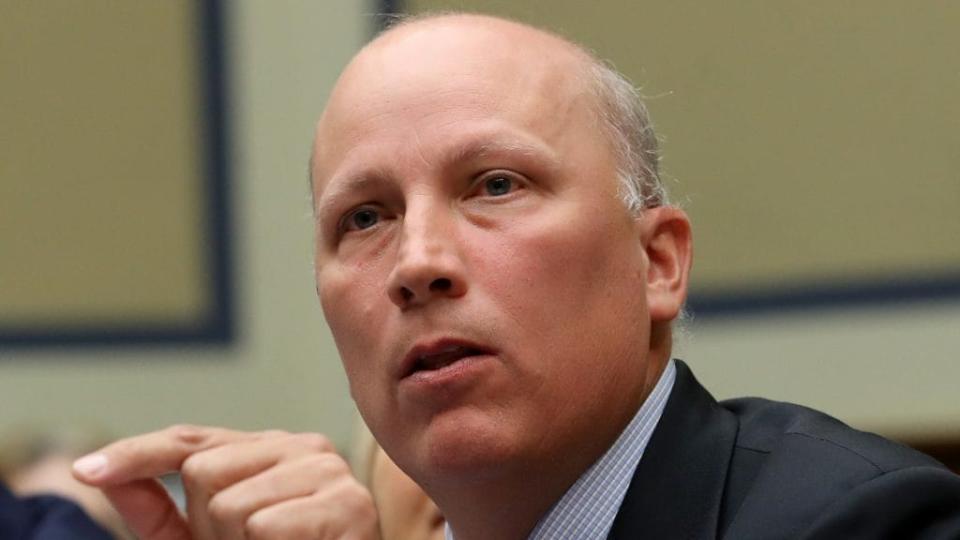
{"x":479,"y":149}
{"x":472,"y":150}
{"x":361,"y":181}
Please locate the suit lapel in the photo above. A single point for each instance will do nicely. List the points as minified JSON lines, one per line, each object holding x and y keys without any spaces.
{"x":677,"y":489}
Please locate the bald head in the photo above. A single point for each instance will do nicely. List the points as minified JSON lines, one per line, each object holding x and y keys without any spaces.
{"x":470,"y":175}
{"x":469,"y":55}
{"x":534,"y":67}
{"x":469,"y":25}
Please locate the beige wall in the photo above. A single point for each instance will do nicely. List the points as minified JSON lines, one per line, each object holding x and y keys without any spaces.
{"x":891,"y":369}
{"x":283,"y":370}
{"x":98,"y":119}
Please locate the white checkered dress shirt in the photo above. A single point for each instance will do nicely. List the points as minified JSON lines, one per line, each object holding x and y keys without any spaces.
{"x":587,"y":510}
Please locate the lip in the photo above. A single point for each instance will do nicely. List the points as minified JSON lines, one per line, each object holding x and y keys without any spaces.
{"x":435,"y":347}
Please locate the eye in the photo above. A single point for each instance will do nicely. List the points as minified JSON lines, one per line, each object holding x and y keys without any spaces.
{"x":360,"y":219}
{"x":498,"y":185}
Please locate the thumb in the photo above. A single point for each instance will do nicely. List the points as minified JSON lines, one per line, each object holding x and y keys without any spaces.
{"x":148,"y":510}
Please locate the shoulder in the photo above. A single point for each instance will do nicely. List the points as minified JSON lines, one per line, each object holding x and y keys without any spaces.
{"x":914,"y":502}
{"x":804,"y":473}
{"x":769,"y":426}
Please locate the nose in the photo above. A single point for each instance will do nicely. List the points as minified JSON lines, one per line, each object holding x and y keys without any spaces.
{"x":428,"y":264}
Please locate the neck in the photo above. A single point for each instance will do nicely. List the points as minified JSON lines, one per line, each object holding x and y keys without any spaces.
{"x":507,"y":509}
{"x":508,"y":503}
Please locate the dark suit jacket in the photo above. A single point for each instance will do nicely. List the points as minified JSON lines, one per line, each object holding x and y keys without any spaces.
{"x":753,"y":468}
{"x":45,"y":517}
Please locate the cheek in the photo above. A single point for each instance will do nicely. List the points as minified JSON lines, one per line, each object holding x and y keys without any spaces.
{"x":352,"y":295}
{"x":551,"y":275}
{"x":573,"y":288}
{"x":352,"y":302}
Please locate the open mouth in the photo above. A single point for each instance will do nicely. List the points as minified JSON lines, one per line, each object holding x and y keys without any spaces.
{"x":439,"y":357}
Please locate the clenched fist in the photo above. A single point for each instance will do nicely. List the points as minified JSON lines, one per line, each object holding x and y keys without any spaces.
{"x":265,"y":485}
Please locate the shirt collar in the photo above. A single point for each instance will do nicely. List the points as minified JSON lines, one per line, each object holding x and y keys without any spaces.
{"x":587,"y":510}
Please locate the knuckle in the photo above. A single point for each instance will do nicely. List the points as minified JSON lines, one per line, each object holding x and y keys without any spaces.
{"x":360,"y":499}
{"x":223,"y":509}
{"x":315,"y":441}
{"x":329,"y":463}
{"x":193,"y":470}
{"x":353,"y":500}
{"x":187,"y":433}
{"x":259,"y":526}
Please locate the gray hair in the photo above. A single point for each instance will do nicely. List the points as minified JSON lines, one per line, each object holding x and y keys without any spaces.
{"x":627,"y":121}
{"x":636,"y":148}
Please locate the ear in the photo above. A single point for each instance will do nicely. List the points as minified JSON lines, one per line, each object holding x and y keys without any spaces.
{"x":665,"y":234}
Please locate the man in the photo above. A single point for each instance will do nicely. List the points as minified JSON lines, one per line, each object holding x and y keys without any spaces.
{"x":500,"y":269}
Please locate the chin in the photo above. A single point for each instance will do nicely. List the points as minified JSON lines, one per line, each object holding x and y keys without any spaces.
{"x":466,"y":446}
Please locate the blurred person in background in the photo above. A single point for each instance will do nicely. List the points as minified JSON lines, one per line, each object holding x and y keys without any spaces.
{"x":42,"y":500}
{"x":405,"y":511}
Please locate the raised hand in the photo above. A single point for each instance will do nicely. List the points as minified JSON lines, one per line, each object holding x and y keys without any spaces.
{"x":239,"y":485}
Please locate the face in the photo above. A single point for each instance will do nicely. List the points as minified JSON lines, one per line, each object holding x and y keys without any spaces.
{"x":406,"y":513}
{"x":486,"y":288}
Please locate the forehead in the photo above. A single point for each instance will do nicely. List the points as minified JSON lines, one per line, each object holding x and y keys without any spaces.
{"x":434,"y":53}
{"x":449,"y":76}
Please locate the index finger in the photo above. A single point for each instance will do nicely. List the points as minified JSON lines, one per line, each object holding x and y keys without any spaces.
{"x":152,"y":454}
